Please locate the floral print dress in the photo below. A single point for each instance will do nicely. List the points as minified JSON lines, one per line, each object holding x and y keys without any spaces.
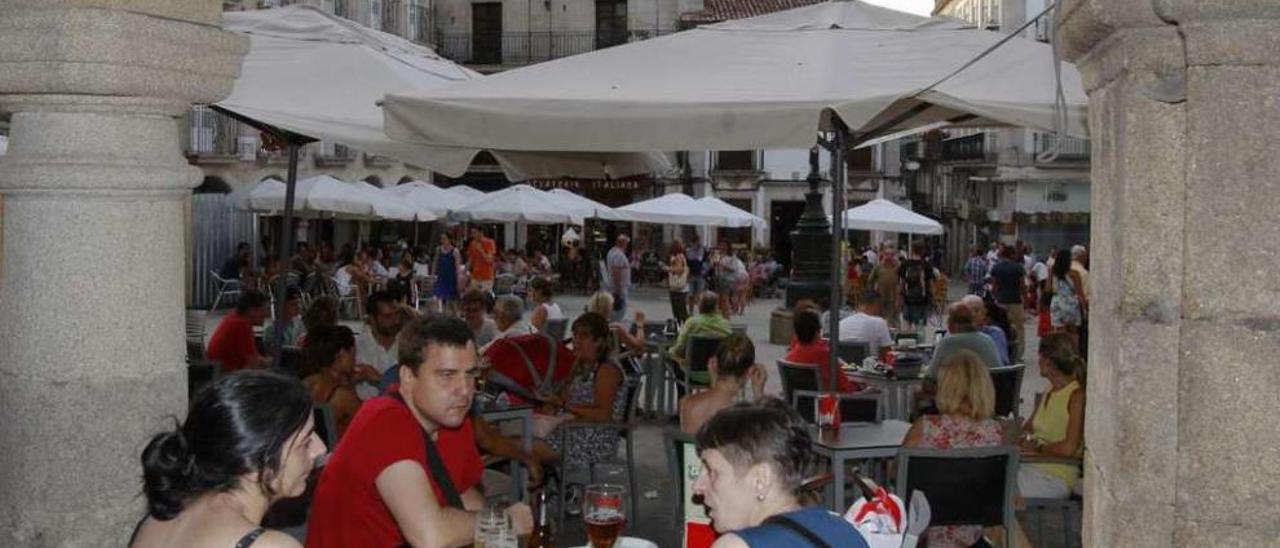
{"x":947,"y":432}
{"x":592,"y":443}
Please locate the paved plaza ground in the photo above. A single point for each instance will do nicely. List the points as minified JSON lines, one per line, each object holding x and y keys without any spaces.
{"x":654,"y":519}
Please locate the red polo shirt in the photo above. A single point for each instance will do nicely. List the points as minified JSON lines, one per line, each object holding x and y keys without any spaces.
{"x":232,"y":342}
{"x":347,"y":509}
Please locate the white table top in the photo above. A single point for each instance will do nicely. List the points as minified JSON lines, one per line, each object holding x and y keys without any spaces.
{"x":863,"y":435}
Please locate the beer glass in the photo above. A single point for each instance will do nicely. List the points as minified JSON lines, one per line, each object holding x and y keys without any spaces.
{"x":605,"y":513}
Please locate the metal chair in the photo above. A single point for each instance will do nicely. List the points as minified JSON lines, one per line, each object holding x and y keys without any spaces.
{"x":330,"y":287}
{"x":964,"y":486}
{"x":739,"y":329}
{"x":853,"y":351}
{"x":504,"y":284}
{"x":1008,"y":385}
{"x":862,"y":407}
{"x":224,"y":287}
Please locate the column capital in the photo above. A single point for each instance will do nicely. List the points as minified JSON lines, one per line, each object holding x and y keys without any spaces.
{"x":76,"y":53}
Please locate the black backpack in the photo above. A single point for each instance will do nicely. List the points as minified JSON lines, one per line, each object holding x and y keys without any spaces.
{"x":916,"y":288}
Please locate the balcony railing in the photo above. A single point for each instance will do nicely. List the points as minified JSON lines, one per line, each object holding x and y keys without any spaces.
{"x":522,"y":48}
{"x":977,"y":147}
{"x":211,"y":134}
{"x":1072,"y":148}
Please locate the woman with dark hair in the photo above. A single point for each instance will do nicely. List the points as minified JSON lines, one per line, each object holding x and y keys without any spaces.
{"x":544,"y":305}
{"x":330,"y":373}
{"x":448,"y":262}
{"x":248,"y":441}
{"x":594,"y":393}
{"x":754,"y":458}
{"x":1066,"y":309}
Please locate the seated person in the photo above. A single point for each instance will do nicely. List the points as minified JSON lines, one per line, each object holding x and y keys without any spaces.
{"x":708,"y":322}
{"x":966,"y":403}
{"x":322,"y":312}
{"x":475,"y":306}
{"x":232,"y":343}
{"x":331,"y":373}
{"x":593,"y":394}
{"x":755,"y":457}
{"x":508,"y":317}
{"x":867,"y":325}
{"x":623,"y":337}
{"x":248,"y":440}
{"x":733,"y":366}
{"x":809,"y":349}
{"x":962,"y":334}
{"x":1056,"y":427}
{"x":407,"y":468}
{"x":979,"y":309}
{"x":544,"y":306}
{"x":293,"y":326}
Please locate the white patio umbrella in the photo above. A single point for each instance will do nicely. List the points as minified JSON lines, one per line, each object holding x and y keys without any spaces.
{"x":766,"y":82}
{"x":241,"y":197}
{"x":734,"y":216}
{"x":584,"y":205}
{"x":317,"y":195}
{"x":886,"y":216}
{"x":429,"y":198}
{"x":468,"y":194}
{"x":675,"y":209}
{"x":517,"y":204}
{"x":387,"y":206}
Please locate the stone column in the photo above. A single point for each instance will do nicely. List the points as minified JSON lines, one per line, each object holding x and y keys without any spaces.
{"x":91,"y":286}
{"x":1185,"y":320}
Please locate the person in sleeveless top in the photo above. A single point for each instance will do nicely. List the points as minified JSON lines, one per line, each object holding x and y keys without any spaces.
{"x":448,"y":261}
{"x":1056,"y":427}
{"x":544,"y":307}
{"x":330,"y":373}
{"x":755,"y":457}
{"x":248,"y":440}
{"x":966,"y":403}
{"x":593,"y":394}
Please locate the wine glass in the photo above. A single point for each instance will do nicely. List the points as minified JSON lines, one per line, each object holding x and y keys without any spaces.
{"x":605,"y":513}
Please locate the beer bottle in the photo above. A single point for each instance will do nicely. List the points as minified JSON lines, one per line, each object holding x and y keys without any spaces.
{"x":543,"y":536}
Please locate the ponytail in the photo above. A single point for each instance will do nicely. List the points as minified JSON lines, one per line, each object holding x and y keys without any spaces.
{"x":168,"y":468}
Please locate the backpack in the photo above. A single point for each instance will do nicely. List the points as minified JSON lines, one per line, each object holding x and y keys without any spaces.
{"x":915,"y":290}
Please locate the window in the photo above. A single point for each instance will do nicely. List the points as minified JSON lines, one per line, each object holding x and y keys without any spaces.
{"x":736,"y":160}
{"x":611,"y":23}
{"x":486,"y":33}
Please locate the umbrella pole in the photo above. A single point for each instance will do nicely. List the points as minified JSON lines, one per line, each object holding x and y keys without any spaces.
{"x":837,"y":146}
{"x":286,"y":243}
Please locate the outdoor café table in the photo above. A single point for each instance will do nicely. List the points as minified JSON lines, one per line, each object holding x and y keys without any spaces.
{"x":655,"y":348}
{"x":899,"y":391}
{"x":856,"y":441}
{"x":524,"y":414}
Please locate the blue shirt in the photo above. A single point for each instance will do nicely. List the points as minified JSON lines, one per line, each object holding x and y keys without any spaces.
{"x":1002,"y":342}
{"x":829,"y":527}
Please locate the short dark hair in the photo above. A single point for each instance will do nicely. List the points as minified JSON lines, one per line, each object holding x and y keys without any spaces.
{"x":439,"y":330}
{"x":323,"y":345}
{"x":735,"y":356}
{"x":768,"y":431}
{"x":236,"y":425}
{"x":542,"y":285}
{"x":807,"y":325}
{"x":709,"y":302}
{"x":323,"y":311}
{"x":250,"y":300}
{"x":871,"y":297}
{"x":378,"y":297}
{"x":475,"y":296}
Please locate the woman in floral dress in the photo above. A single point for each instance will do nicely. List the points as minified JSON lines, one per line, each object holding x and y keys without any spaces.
{"x":594,"y":394}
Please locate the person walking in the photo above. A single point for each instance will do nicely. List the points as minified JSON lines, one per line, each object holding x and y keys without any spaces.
{"x":678,"y":282}
{"x":1007,"y":277}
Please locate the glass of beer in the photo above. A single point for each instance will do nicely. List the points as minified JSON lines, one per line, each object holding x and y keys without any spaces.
{"x":605,"y":513}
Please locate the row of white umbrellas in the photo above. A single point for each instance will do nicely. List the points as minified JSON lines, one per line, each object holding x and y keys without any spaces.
{"x":420,"y":201}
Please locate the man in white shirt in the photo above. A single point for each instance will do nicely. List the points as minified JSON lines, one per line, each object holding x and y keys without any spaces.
{"x":376,"y":344}
{"x":618,"y":267}
{"x":867,"y":325}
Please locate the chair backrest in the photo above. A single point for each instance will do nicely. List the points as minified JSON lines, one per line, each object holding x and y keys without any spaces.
{"x":196,"y":324}
{"x":795,"y":376}
{"x":700,"y":350}
{"x":1008,"y":385}
{"x":555,"y":328}
{"x":325,"y":426}
{"x":195,"y":350}
{"x":503,"y":283}
{"x":200,"y":373}
{"x":740,"y":329}
{"x":964,"y":486}
{"x":853,"y":407}
{"x":682,"y":465}
{"x":652,"y":329}
{"x":853,"y":351}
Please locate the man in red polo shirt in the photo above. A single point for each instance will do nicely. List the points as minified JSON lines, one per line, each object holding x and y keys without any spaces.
{"x":378,"y":488}
{"x":232,"y":342}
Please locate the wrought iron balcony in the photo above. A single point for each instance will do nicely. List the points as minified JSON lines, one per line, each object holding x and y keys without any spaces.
{"x":522,"y":48}
{"x":210,"y":135}
{"x":1071,"y":148}
{"x":971,"y":148}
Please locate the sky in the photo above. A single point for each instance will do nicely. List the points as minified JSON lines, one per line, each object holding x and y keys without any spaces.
{"x":918,"y":7}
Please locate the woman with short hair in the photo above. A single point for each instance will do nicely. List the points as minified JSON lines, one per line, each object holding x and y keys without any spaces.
{"x":754,"y":458}
{"x":966,"y":402}
{"x":248,"y":441}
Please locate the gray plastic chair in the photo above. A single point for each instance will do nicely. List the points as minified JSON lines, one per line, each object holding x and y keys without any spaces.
{"x":964,"y":486}
{"x":1008,"y":384}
